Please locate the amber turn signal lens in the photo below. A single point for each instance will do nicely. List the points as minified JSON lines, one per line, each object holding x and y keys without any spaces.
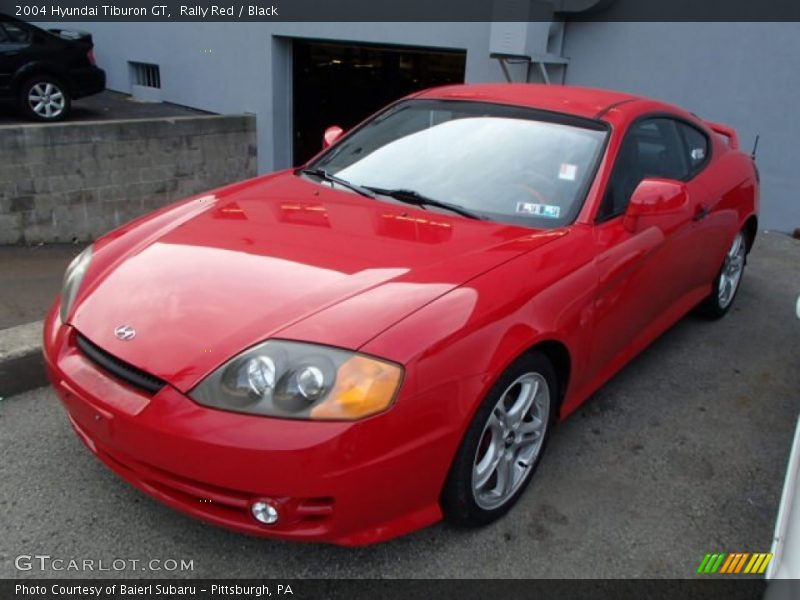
{"x":364,"y":386}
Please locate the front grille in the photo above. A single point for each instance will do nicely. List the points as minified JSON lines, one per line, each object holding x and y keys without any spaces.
{"x":119,"y":369}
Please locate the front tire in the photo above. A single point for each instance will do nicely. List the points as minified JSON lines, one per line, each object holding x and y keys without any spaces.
{"x":503,"y":443}
{"x":45,"y":98}
{"x":727,"y":281}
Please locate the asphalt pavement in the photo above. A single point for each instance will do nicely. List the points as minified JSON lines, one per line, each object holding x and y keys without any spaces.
{"x":106,"y":105}
{"x":681,"y":454}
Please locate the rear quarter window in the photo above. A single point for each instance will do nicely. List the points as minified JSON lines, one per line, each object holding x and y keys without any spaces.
{"x":697,"y":147}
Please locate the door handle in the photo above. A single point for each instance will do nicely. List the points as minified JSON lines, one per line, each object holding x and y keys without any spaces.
{"x":701,"y":212}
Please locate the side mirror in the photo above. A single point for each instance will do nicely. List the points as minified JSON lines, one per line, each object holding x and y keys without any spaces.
{"x":332,"y":133}
{"x":654,"y":197}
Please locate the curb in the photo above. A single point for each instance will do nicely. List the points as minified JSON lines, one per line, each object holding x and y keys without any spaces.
{"x":21,"y":360}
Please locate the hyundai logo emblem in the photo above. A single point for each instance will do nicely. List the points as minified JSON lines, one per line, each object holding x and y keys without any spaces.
{"x":125,"y":333}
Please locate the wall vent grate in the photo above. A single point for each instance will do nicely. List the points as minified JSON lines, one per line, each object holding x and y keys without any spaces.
{"x":146,"y":75}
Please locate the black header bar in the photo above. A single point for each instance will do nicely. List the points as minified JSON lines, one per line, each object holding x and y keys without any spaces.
{"x":401,"y":10}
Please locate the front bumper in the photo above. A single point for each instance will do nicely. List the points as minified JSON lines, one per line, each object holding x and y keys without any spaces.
{"x":344,"y":483}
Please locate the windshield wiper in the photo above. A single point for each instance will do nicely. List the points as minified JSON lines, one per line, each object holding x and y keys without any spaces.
{"x":407,"y":196}
{"x":417,"y":199}
{"x":325,"y":176}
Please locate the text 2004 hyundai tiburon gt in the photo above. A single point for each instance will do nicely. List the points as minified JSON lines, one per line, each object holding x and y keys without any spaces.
{"x":354,"y":349}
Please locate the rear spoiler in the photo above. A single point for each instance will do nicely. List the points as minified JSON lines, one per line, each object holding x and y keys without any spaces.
{"x":727,"y":132}
{"x":74,"y":36}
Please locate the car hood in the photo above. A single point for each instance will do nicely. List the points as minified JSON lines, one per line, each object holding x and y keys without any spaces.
{"x":278,"y":257}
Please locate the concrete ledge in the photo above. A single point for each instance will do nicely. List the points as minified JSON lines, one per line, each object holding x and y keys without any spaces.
{"x":21,"y":360}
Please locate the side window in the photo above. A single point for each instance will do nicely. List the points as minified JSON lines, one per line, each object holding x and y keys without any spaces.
{"x":15,"y":33}
{"x":695,"y":147}
{"x":3,"y":36}
{"x":651,"y":148}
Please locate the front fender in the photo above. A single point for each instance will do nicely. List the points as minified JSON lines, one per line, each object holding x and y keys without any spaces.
{"x":463,"y":341}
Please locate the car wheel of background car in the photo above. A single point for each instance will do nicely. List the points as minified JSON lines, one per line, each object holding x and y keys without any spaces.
{"x":503,"y":443}
{"x":45,"y":98}
{"x":727,"y":282}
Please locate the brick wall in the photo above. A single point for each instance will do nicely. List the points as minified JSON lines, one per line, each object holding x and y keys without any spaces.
{"x":73,"y":181}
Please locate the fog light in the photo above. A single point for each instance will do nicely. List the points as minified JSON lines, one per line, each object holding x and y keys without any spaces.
{"x":264,"y":512}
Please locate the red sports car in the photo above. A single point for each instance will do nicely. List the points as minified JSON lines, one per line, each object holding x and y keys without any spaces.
{"x":354,"y":349}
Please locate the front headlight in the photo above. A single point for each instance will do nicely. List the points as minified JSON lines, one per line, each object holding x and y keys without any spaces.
{"x":301,"y":381}
{"x":72,"y":281}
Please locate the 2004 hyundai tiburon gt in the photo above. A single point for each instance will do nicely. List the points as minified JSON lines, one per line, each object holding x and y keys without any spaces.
{"x":351,"y":350}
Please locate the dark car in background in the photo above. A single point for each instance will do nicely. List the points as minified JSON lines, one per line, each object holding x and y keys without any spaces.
{"x":44,"y":71}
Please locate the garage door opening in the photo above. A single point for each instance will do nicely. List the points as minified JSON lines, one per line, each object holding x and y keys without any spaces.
{"x":341,"y":84}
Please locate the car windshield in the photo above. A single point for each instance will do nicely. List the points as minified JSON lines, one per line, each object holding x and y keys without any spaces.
{"x":503,"y":163}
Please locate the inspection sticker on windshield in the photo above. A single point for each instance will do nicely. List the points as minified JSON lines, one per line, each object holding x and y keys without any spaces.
{"x":548,"y":211}
{"x":568,"y":171}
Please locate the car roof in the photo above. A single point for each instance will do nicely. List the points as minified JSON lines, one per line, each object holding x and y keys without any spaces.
{"x":574,"y":100}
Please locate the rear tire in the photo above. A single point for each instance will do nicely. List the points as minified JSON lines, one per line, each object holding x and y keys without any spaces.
{"x":503,"y":444}
{"x":45,"y":98}
{"x":727,"y":282}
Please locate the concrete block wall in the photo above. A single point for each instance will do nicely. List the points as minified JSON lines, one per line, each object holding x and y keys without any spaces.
{"x":69,"y":181}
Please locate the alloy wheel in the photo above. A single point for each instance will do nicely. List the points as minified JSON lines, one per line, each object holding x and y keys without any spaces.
{"x":511,"y":441}
{"x":47,"y":100}
{"x":731,"y":271}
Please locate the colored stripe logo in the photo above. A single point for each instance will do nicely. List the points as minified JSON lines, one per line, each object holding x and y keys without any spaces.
{"x":735,"y":563}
